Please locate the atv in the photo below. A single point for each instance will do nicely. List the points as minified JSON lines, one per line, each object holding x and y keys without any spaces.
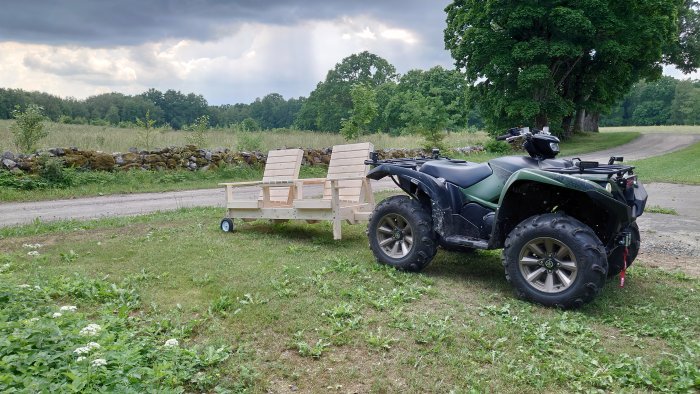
{"x":565,"y":225}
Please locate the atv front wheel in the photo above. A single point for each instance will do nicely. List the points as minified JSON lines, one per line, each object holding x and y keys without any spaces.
{"x":555,"y":260}
{"x":615,"y":259}
{"x":401,"y":235}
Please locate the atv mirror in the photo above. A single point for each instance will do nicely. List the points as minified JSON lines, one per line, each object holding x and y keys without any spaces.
{"x":436,"y":153}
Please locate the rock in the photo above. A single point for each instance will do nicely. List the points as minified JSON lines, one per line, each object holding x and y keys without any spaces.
{"x":102,"y":162}
{"x":9,"y":164}
{"x":75,"y":160}
{"x":207,"y":155}
{"x":205,"y":168}
{"x":131,"y":157}
{"x":119,"y":160}
{"x":8,"y":155}
{"x":133,"y":150}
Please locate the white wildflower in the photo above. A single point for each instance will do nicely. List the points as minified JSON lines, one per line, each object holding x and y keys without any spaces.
{"x":82,"y":350}
{"x":24,"y":286}
{"x":57,"y":314}
{"x":172,"y":342}
{"x":32,"y":246}
{"x":33,"y":253}
{"x":94,"y":345}
{"x":33,"y":319}
{"x":5,"y":267}
{"x":37,"y":287}
{"x":69,"y":308}
{"x":91,"y":329}
{"x":99,"y":362}
{"x":81,"y":358}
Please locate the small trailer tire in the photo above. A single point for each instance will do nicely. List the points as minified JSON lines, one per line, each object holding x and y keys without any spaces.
{"x":227,"y":225}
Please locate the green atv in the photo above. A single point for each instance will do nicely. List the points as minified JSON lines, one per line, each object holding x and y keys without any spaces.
{"x":564,"y":225}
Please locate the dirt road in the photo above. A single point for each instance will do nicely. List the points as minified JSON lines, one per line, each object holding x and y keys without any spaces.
{"x":669,"y":241}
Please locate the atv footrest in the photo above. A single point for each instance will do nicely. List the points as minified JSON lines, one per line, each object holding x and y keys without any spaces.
{"x":458,"y":240}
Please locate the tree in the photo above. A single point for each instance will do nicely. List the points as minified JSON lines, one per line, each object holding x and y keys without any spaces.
{"x":552,"y":62}
{"x":364,"y":110}
{"x":28,"y":128}
{"x":198,"y":131}
{"x":147,"y":133}
{"x":426,"y":116}
{"x":331,"y":101}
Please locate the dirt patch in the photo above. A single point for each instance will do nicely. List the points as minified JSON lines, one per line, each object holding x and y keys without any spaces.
{"x":686,"y":264}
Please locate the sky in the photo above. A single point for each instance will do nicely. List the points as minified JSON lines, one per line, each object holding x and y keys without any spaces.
{"x":228,"y":51}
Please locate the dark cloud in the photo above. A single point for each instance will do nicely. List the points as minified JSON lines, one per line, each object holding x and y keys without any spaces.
{"x":132,"y":22}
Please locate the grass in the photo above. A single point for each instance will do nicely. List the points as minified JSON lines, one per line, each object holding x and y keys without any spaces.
{"x":662,"y":210}
{"x":113,"y":139}
{"x":313,"y":314}
{"x":653,"y":129}
{"x":677,"y":167}
{"x":96,"y":183}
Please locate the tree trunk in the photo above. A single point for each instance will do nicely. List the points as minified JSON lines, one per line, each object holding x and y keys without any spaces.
{"x":578,"y":122}
{"x":567,"y":127}
{"x":590,"y":122}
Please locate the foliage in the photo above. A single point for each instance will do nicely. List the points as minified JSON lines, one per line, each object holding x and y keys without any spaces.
{"x":198,"y":131}
{"x":331,"y":101}
{"x":249,"y":124}
{"x":147,"y":131}
{"x":94,"y":345}
{"x":364,"y":110}
{"x":549,"y":64}
{"x":501,"y":147}
{"x":53,"y":172}
{"x":426,"y":116}
{"x":28,"y":128}
{"x":249,"y":142}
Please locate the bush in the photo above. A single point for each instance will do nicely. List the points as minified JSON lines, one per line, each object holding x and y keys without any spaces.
{"x":52,"y":170}
{"x":494,"y":146}
{"x":197,"y":131}
{"x":249,"y":142}
{"x":28,"y":128}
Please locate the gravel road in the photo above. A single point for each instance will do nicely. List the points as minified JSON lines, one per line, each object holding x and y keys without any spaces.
{"x":670,"y":241}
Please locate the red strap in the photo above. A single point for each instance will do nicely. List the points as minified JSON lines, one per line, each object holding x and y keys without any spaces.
{"x":624,"y":269}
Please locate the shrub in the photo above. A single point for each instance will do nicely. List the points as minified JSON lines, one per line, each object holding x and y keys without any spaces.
{"x":494,"y":146}
{"x":52,"y":170}
{"x":197,"y":131}
{"x":28,"y":128}
{"x":249,"y":142}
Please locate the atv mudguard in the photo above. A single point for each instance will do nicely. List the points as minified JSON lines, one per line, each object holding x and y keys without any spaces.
{"x":619,"y":214}
{"x":414,"y":183}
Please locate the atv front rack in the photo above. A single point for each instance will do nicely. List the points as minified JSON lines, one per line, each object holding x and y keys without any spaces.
{"x":593,"y":168}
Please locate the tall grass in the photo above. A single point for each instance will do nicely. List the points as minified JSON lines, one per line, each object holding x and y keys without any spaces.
{"x":112,"y":139}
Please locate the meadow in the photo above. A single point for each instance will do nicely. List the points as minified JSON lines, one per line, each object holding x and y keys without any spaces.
{"x":181,"y":305}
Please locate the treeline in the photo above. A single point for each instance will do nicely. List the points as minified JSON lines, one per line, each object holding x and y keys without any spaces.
{"x":392,"y":95}
{"x":666,"y":101}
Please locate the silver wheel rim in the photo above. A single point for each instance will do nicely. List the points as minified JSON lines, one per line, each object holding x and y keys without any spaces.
{"x":395,"y":236}
{"x":225,"y":226}
{"x":548,"y":265}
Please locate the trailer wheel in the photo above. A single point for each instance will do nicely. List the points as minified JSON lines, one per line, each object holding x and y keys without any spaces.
{"x":555,"y":260}
{"x":401,"y":235}
{"x":227,"y":225}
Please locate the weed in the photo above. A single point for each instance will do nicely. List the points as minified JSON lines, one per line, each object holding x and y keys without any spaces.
{"x":662,"y":210}
{"x":378,"y":341}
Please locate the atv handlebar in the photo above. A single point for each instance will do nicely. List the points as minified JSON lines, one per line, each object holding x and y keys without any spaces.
{"x":502,"y":137}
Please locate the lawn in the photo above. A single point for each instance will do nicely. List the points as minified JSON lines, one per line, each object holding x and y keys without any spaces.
{"x":676,"y":167}
{"x":284,"y":307}
{"x":653,"y":129}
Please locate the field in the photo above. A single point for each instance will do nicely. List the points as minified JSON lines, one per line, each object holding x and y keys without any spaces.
{"x":279,"y":308}
{"x":112,"y":139}
{"x":677,"y":167}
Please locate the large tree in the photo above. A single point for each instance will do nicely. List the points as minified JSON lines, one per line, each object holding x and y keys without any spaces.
{"x":549,"y":62}
{"x":331,"y":101}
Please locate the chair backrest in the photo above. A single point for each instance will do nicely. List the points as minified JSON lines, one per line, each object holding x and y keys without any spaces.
{"x":348,"y":161}
{"x":282,"y":165}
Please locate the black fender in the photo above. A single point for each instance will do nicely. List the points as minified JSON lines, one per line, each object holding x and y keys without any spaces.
{"x":414,"y":183}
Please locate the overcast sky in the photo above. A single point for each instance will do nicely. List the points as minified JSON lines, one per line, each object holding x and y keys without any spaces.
{"x":228,"y":51}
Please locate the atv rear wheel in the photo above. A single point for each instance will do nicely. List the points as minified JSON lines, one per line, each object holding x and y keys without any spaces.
{"x":401,"y":235}
{"x":555,"y":260}
{"x":615,"y":259}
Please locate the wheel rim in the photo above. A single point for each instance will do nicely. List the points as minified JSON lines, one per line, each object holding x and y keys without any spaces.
{"x":225,"y":225}
{"x":548,"y":265}
{"x":395,"y":236}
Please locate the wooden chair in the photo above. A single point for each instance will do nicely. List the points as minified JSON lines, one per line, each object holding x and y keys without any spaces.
{"x":282,"y":166}
{"x":347,"y":193}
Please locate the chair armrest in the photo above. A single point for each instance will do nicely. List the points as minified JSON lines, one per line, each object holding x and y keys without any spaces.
{"x":238,"y":184}
{"x":310,"y":181}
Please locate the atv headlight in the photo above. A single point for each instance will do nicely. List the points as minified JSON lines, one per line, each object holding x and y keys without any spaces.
{"x":554,"y":146}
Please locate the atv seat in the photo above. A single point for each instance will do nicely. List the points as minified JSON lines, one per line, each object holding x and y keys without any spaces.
{"x":461,"y":174}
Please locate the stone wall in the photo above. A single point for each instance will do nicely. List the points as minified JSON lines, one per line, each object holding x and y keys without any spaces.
{"x":188,"y":157}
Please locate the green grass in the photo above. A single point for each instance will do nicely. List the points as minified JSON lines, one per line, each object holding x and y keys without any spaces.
{"x":582,"y":143}
{"x":653,"y":129}
{"x":677,"y":167}
{"x":301,"y":310}
{"x":662,"y":210}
